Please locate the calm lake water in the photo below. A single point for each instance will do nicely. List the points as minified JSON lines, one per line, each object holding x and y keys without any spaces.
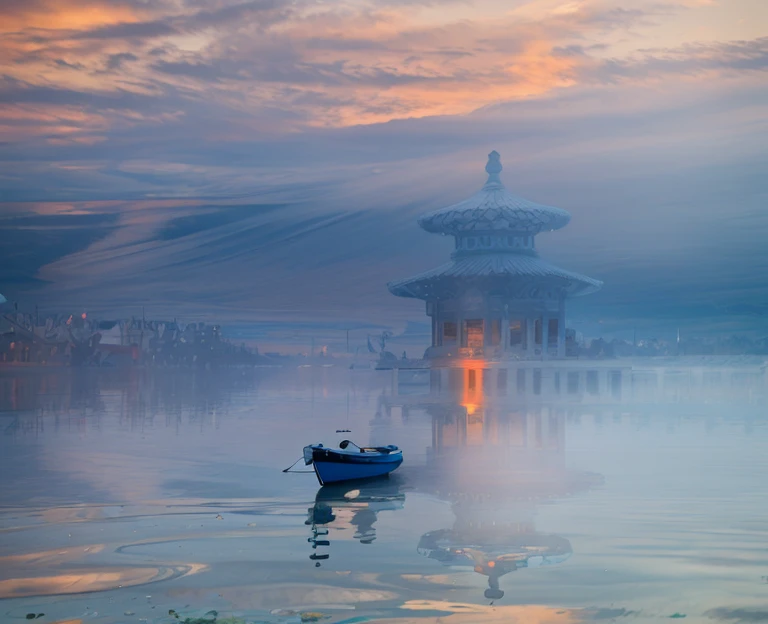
{"x":543,"y":494}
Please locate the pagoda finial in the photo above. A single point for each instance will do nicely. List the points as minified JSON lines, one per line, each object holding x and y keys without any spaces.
{"x":493,"y":168}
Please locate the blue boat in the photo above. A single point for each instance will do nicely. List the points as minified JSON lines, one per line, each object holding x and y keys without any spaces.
{"x":351,"y":464}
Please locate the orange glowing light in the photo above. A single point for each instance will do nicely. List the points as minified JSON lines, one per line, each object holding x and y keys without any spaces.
{"x":83,"y":316}
{"x":491,"y":564}
{"x":472,"y":401}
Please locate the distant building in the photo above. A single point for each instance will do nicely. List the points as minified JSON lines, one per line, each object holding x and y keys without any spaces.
{"x":496,"y":297}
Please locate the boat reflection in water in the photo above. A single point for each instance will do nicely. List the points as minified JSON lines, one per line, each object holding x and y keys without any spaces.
{"x":495,"y":456}
{"x":350,"y":506}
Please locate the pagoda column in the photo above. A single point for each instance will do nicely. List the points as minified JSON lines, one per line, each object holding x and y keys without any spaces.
{"x":561,"y":329}
{"x":544,"y":336}
{"x":530,"y":336}
{"x":505,"y":329}
{"x":487,"y":330}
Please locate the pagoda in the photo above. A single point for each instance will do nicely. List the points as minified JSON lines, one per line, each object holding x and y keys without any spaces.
{"x":496,"y":298}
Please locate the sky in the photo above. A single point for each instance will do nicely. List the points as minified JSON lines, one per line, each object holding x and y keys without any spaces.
{"x":266,"y":161}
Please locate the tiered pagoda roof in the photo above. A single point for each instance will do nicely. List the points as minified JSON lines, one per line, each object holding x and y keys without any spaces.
{"x":501,"y":255}
{"x":494,"y":209}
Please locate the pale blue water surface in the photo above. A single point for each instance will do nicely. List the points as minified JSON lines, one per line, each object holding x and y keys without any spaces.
{"x":530,"y":493}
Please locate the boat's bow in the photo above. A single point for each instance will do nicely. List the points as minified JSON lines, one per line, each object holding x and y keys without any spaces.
{"x":308,"y":450}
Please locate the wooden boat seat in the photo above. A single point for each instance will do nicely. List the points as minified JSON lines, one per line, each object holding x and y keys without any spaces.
{"x":386,"y":450}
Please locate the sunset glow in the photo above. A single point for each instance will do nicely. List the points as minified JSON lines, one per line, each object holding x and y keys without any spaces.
{"x":341,"y":64}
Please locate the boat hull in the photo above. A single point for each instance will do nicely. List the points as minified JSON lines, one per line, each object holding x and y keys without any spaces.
{"x":335,"y":466}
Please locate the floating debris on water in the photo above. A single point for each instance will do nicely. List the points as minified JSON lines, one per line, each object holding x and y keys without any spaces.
{"x":313,"y":616}
{"x":210,"y":617}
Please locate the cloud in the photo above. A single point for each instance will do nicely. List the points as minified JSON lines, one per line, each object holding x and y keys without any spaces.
{"x":16,"y":91}
{"x":130,"y":30}
{"x":201,"y":71}
{"x":264,"y":12}
{"x":64,"y":15}
{"x":63,"y":63}
{"x":114,"y":61}
{"x":686,"y":61}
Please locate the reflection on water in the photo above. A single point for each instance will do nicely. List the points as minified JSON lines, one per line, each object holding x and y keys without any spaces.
{"x":354,"y":507}
{"x":546,"y":493}
{"x":493,"y":460}
{"x":88,"y":581}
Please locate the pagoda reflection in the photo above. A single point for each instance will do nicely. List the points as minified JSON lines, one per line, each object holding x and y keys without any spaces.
{"x":495,"y":458}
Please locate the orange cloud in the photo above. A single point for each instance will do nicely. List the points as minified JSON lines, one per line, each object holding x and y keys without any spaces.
{"x":461,"y":88}
{"x":65,"y":15}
